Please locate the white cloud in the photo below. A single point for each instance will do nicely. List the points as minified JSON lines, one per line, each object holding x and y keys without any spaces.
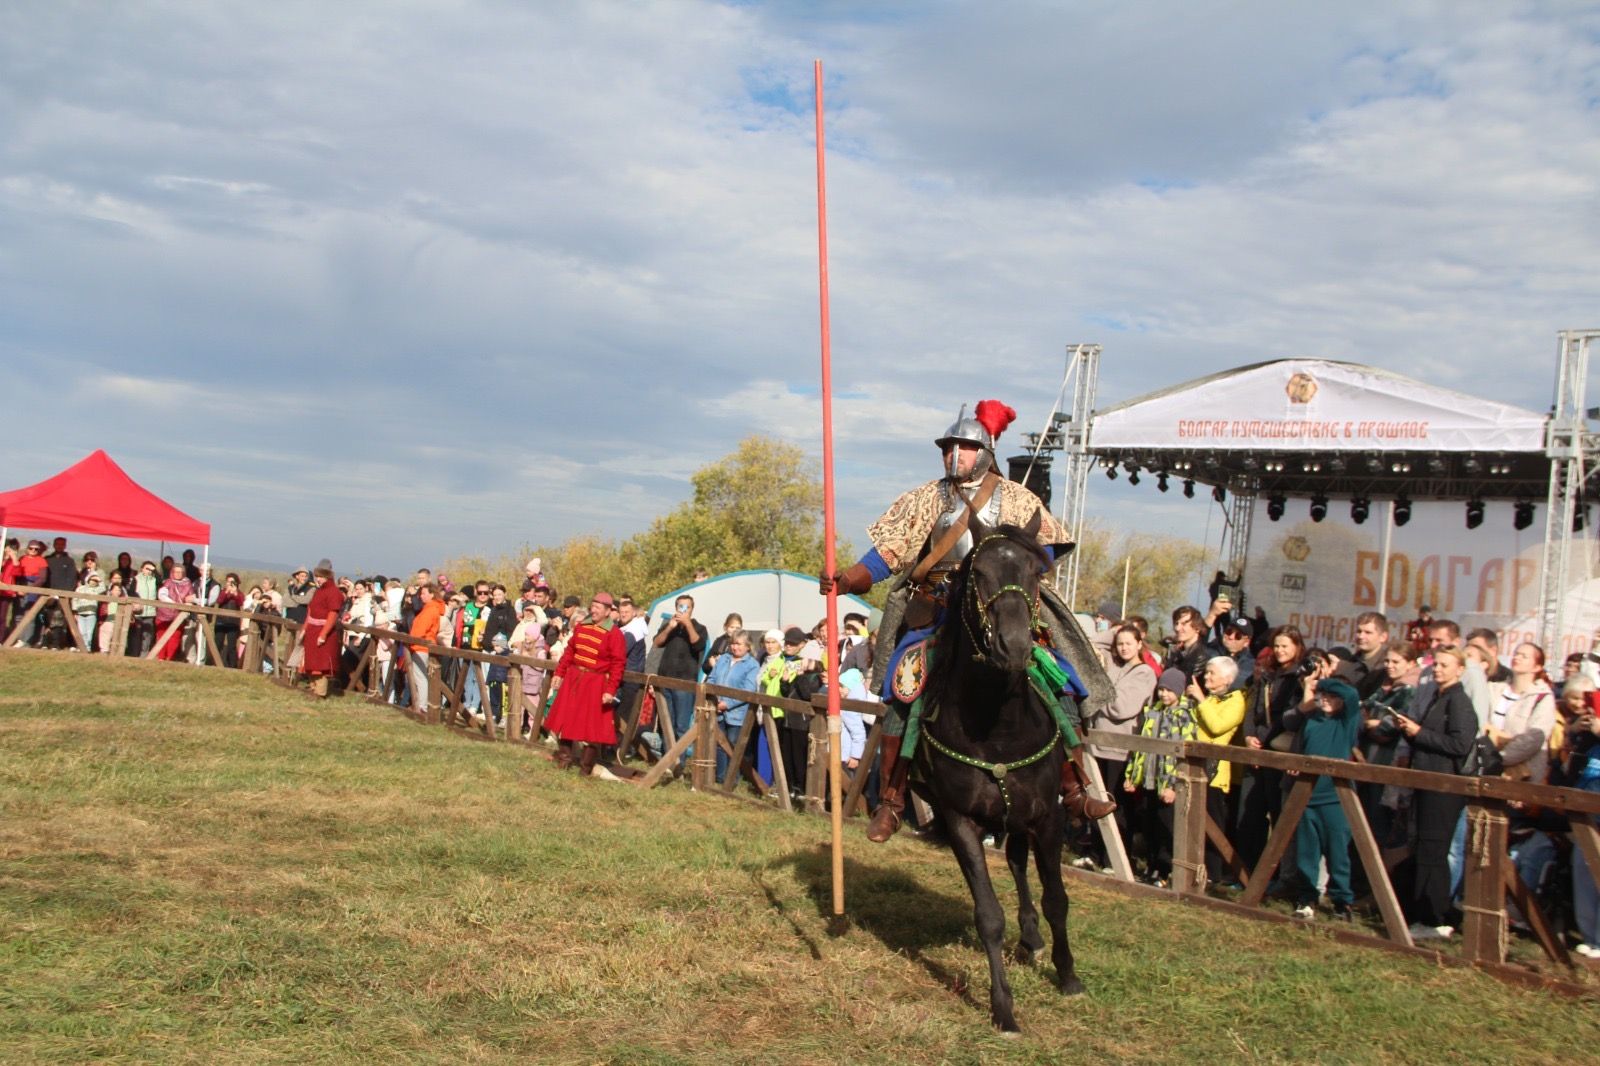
{"x":416,"y":253}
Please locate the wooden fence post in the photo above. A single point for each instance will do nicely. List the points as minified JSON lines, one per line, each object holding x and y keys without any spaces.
{"x":780,"y":777}
{"x":432,"y":698}
{"x":1189,"y":826}
{"x":817,"y":763}
{"x":704,"y":764}
{"x":1483,"y":902}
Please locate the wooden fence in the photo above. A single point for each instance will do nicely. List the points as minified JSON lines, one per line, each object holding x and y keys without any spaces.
{"x":1490,"y":877}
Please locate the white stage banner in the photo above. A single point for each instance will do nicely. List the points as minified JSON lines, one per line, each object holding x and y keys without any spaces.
{"x":1320,"y":576}
{"x":1317,"y":405}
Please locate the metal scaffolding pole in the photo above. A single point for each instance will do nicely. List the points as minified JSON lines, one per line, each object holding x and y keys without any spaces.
{"x":1083,"y":370}
{"x":1568,"y":443}
{"x":1236,"y":538}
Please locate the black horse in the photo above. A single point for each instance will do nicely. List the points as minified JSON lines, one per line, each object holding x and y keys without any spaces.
{"x":990,"y":754}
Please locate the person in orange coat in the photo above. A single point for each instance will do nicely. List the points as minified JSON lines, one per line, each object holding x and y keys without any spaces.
{"x":321,"y":640}
{"x":588,"y":675}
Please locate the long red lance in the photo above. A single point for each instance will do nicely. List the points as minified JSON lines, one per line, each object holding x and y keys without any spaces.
{"x":835,"y":767}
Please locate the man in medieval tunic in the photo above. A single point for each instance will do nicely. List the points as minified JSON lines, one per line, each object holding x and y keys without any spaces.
{"x":923,"y":538}
{"x":584,"y":712}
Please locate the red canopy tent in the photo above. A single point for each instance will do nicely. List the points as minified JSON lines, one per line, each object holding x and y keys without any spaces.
{"x":95,"y":495}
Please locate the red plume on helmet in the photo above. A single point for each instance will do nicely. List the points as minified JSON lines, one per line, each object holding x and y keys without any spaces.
{"x":994,"y":416}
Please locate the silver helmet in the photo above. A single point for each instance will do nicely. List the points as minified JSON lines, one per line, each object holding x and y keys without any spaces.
{"x":968,"y":430}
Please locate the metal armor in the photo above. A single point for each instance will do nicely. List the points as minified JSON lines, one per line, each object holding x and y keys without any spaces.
{"x":954,"y":508}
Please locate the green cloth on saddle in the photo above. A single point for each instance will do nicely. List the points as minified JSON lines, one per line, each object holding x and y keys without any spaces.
{"x":1046,"y":677}
{"x":1050,"y":682}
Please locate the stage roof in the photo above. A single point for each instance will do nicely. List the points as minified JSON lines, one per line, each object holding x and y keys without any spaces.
{"x":1301,"y":426}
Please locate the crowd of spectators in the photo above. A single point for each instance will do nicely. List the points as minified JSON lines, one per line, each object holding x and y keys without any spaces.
{"x":1426,"y":696}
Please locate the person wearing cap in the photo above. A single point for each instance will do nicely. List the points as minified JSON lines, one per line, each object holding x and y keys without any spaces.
{"x":297,"y":595}
{"x":321,"y":633}
{"x":1152,"y":780}
{"x":1236,"y":632}
{"x":1328,"y":729}
{"x":583,"y":714}
{"x":924,"y":536}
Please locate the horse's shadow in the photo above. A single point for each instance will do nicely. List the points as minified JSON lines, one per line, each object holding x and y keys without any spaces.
{"x":905,"y":915}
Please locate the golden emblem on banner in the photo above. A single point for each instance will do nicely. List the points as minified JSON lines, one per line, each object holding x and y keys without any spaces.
{"x":1301,"y":388}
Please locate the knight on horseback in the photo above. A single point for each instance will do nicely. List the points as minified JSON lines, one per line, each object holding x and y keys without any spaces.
{"x":923,"y":537}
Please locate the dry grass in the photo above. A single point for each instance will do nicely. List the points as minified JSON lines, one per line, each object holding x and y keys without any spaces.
{"x":200,"y":867}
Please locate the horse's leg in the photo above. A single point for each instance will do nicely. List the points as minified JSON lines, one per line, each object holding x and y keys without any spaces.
{"x":987,"y":914}
{"x":1027,"y":917}
{"x":1048,"y":838}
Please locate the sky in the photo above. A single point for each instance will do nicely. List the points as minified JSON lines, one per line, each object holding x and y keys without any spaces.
{"x":393,"y":282}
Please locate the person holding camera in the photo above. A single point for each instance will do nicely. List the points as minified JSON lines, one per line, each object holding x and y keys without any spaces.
{"x":682,"y":641}
{"x":1327,"y":729}
{"x":1440,"y":738}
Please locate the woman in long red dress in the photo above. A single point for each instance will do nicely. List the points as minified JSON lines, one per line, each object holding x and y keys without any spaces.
{"x":321,"y":637}
{"x":589,"y":672}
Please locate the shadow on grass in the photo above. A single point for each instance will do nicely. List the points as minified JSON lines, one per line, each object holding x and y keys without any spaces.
{"x":904,"y":914}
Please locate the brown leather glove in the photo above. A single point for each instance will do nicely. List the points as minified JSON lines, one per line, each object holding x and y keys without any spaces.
{"x":853,"y":581}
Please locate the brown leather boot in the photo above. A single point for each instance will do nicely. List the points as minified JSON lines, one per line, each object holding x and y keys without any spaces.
{"x":1075,"y":790}
{"x":563,"y":756}
{"x":586,"y":761}
{"x":892,"y":771}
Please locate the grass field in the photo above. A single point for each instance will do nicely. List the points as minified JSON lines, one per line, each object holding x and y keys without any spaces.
{"x":198,"y":867}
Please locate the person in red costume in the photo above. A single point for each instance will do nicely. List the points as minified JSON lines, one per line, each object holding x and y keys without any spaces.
{"x":321,"y":639}
{"x":924,"y":536}
{"x":584,"y":712}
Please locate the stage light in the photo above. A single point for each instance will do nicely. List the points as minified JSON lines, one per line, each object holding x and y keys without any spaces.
{"x":1161,"y":481}
{"x":1219,"y":494}
{"x":1319,"y":507}
{"x":1133,"y":476}
{"x":1250,"y":463}
{"x":1336,"y":464}
{"x":1522,"y":517}
{"x":1360,"y":507}
{"x":1275,"y":506}
{"x":1111,"y":473}
{"x":1474,"y":514}
{"x":1436,"y":466}
{"x":1471,"y":465}
{"x":1374,"y":463}
{"x":1402,"y":511}
{"x":1188,"y":488}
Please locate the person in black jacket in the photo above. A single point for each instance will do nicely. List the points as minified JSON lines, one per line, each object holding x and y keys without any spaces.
{"x":1441,"y":736}
{"x":1275,"y":690}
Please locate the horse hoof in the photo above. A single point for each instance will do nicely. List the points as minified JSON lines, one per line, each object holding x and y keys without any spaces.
{"x":1072,"y":987}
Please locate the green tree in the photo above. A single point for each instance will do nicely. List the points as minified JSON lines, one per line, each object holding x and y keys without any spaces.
{"x":758,"y":507}
{"x":1160,"y":571}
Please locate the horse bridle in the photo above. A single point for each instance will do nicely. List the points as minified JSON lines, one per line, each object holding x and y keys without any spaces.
{"x":971,"y":603}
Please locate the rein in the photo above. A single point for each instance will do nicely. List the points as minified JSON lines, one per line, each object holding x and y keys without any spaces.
{"x":971,"y":604}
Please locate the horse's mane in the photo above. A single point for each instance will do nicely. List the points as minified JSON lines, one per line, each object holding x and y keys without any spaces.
{"x":944,"y":661}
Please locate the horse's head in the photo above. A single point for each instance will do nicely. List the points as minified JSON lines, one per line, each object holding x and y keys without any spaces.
{"x":1000,"y":593}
